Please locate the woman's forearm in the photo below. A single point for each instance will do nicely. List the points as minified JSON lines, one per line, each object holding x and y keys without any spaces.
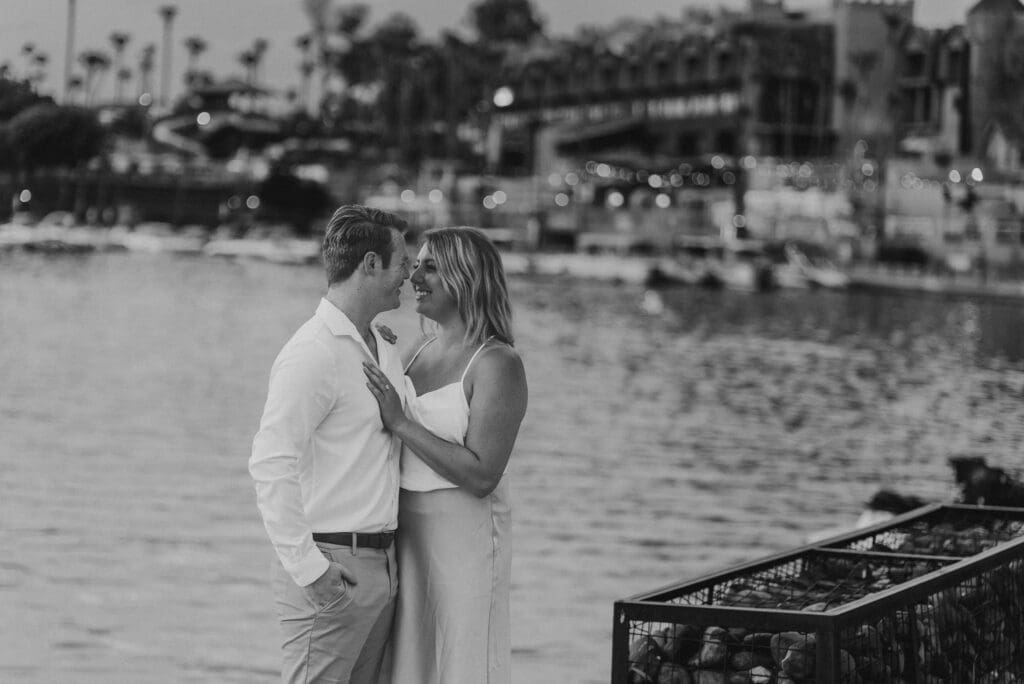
{"x":452,"y":461}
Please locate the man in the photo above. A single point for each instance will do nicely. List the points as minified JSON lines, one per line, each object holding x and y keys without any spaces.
{"x":325,"y":470}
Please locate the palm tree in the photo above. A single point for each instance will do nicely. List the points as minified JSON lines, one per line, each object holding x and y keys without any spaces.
{"x":198,"y":78}
{"x":28,"y":51}
{"x":248,"y":59}
{"x":146,"y":64}
{"x":118,"y":40}
{"x":69,"y":50}
{"x":306,"y":67}
{"x":195,"y":46}
{"x":40,"y":60}
{"x":123,"y":75}
{"x":334,"y":30}
{"x":74,"y":85}
{"x":259,"y":50}
{"x":96,"y":63}
{"x":167,"y":14}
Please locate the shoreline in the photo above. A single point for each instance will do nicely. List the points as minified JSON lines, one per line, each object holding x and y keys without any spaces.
{"x":632,"y":270}
{"x":875,"y":278}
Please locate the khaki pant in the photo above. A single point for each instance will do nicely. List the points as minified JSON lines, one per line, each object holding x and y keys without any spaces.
{"x":342,"y":641}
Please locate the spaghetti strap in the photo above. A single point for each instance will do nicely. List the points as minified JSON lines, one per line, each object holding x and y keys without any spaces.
{"x":422,"y":347}
{"x":479,"y":349}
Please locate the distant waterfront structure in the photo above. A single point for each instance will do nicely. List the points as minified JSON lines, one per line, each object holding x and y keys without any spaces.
{"x":995,"y":30}
{"x":901,"y":88}
{"x":729,"y":84}
{"x":771,"y":82}
{"x":866,"y":63}
{"x":716,"y":121}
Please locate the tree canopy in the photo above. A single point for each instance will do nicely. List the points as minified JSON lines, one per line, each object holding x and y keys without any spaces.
{"x":396,"y":35}
{"x":505,"y":20}
{"x":16,"y":96}
{"x":47,"y":135}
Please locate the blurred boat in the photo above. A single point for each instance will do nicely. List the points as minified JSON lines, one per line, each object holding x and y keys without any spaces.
{"x":281,"y":251}
{"x":746,"y":267}
{"x":59,"y":232}
{"x":709,"y":261}
{"x":609,"y":267}
{"x":800,"y":264}
{"x":695,"y":260}
{"x":55,"y":233}
{"x":160,"y":237}
{"x":48,"y":240}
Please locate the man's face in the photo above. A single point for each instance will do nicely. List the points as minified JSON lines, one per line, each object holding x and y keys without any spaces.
{"x":391,"y":278}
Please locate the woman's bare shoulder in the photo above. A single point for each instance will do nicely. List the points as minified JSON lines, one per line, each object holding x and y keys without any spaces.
{"x":498,"y":361}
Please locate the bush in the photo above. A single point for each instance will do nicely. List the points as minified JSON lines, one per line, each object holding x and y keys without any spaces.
{"x":17,"y":96}
{"x":47,"y":135}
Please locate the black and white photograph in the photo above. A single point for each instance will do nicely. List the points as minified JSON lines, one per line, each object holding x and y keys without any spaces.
{"x":512,"y":341}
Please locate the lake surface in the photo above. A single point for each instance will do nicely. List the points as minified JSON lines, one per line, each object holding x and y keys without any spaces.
{"x":668,"y":435}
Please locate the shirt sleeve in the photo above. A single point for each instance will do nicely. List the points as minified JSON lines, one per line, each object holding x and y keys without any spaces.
{"x":300,"y":395}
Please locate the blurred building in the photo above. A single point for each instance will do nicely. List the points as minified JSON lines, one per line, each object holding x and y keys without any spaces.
{"x":728,"y":83}
{"x":858,"y":78}
{"x":995,"y":32}
{"x":932,"y":100}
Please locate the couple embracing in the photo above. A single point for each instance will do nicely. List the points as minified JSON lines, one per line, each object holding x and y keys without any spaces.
{"x":380,"y":479}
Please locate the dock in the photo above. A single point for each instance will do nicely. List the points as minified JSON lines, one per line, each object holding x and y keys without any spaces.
{"x":871,"y":277}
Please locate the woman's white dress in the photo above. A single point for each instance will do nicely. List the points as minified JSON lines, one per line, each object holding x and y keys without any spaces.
{"x":454,"y":562}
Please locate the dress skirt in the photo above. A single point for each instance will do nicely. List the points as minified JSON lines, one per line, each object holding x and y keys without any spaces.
{"x":454,"y":577}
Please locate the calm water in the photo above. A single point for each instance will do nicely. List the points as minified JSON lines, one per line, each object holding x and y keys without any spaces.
{"x":657,"y":446}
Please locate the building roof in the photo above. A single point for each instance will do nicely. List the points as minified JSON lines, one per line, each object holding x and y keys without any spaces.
{"x":581,"y":133}
{"x":229,"y":86}
{"x":997,"y":6}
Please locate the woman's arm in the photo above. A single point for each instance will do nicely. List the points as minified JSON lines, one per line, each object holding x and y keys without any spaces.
{"x":496,"y":408}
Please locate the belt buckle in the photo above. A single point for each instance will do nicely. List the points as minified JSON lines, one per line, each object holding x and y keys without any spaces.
{"x":353,"y":544}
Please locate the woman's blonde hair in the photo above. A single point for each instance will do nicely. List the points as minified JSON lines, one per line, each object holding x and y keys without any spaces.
{"x":470,"y":270}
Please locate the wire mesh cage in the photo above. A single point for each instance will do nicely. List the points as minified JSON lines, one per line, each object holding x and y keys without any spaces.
{"x":952,"y":530}
{"x":968,"y":631}
{"x":839,"y":612}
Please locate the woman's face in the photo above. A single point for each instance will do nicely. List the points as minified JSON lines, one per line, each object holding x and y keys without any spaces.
{"x":432,"y":300}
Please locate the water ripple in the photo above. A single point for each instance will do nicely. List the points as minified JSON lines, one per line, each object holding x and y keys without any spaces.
{"x":656,"y":448}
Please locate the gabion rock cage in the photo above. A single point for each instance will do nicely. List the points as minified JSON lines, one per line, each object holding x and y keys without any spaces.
{"x":933,"y":596}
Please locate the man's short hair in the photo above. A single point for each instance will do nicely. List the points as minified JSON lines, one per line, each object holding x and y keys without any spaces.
{"x":352,"y":233}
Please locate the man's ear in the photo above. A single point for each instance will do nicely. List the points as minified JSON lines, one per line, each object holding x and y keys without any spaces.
{"x":371,"y":260}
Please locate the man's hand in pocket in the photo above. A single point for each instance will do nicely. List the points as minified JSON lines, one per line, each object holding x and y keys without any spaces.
{"x":328,"y":585}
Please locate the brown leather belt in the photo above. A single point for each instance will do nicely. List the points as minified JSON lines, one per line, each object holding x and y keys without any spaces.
{"x":365,"y":540}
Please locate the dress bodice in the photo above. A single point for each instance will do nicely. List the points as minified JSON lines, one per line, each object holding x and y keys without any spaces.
{"x":444,"y":412}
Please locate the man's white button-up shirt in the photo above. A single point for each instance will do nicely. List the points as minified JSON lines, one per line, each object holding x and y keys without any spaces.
{"x":322,"y":460}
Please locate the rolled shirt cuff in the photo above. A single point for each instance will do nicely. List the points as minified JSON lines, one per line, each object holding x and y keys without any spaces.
{"x":309,"y":569}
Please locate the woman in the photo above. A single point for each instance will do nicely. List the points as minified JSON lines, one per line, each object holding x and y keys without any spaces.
{"x":466,"y":392}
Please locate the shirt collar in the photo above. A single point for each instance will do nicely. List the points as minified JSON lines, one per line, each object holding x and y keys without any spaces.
{"x":337,"y":322}
{"x":341,"y":325}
